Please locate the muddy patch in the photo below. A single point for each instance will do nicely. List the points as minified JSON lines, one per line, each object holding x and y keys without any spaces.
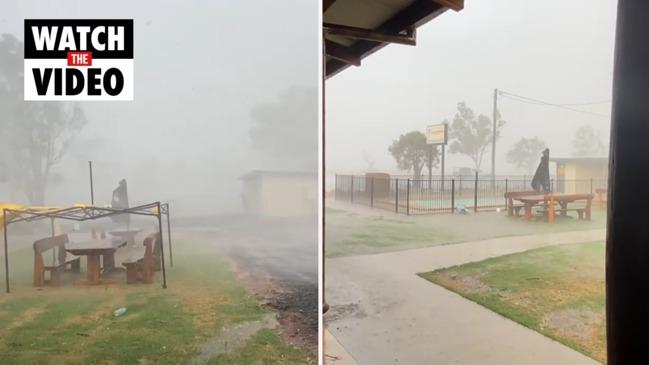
{"x":473,"y":285}
{"x":579,"y":324}
{"x":232,"y":338}
{"x":470,"y":283}
{"x":351,"y":310}
{"x":296,"y":305}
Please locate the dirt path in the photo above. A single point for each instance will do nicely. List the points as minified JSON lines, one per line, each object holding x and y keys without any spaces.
{"x":383,"y":313}
{"x":277,"y":261}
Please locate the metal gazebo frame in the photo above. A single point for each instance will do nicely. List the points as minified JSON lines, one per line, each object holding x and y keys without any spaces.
{"x":82,"y":213}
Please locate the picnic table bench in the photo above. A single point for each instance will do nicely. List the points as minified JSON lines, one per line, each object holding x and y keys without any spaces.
{"x":602,"y":196}
{"x":548,"y":203}
{"x":61,"y":260}
{"x":142,"y":264}
{"x":513,"y":209}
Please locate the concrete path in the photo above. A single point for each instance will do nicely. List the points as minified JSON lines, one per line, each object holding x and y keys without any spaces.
{"x":334,"y":352}
{"x":382,"y":313}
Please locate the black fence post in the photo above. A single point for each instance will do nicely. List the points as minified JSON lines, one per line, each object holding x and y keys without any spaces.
{"x":506,"y":191}
{"x":453,"y":196}
{"x":396,"y":196}
{"x":336,"y":187}
{"x":351,"y":192}
{"x":372,"y":192}
{"x":475,"y":194}
{"x":408,"y":198}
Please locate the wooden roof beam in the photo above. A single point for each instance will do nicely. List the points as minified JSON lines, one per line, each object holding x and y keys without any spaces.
{"x":407,"y":38}
{"x":341,"y":53}
{"x":326,"y":4}
{"x":456,"y":5}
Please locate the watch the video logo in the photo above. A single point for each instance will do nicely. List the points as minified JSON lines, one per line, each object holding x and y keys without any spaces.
{"x":78,"y":59}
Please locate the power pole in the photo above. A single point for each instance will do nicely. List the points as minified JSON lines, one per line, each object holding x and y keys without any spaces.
{"x":430,"y":164}
{"x":493,"y":142}
{"x":92,"y":190}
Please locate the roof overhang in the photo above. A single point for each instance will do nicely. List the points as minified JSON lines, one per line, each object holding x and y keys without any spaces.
{"x":354,"y":29}
{"x":579,"y":159}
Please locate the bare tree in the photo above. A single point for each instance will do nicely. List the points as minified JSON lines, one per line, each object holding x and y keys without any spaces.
{"x":588,"y":143}
{"x":525,"y":153}
{"x":35,"y":135}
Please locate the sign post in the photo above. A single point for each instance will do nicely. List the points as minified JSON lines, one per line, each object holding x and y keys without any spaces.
{"x":436,"y":135}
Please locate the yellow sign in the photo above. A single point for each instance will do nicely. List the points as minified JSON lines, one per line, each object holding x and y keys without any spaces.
{"x":436,"y":134}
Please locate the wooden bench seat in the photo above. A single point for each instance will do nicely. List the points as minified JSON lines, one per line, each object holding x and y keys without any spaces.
{"x":141,"y":264}
{"x":134,"y":266}
{"x":62,"y":260}
{"x":582,"y":211}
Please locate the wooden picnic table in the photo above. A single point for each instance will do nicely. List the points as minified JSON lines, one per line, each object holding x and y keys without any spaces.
{"x":601,"y":196}
{"x":94,"y":248}
{"x":549,"y":201}
{"x":128,"y":235}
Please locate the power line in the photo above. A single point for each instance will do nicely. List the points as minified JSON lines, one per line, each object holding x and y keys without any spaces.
{"x":527,"y":100}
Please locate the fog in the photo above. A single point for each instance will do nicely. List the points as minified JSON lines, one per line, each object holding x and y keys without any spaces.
{"x":223,"y":127}
{"x":207,"y":75}
{"x":555,"y":51}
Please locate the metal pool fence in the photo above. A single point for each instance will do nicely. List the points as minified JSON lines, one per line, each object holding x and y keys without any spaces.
{"x":423,"y":196}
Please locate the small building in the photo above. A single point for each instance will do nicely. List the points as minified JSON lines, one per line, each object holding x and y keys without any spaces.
{"x":574,"y":174}
{"x":278,"y":194}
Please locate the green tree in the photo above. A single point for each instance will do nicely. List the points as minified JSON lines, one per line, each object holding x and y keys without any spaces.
{"x":525,"y":154}
{"x":471,"y":135}
{"x":412,"y":153}
{"x":588,"y":143}
{"x":34,"y":135}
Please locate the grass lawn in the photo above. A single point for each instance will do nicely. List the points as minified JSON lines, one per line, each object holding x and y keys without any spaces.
{"x":557,"y":291}
{"x":75,"y":325}
{"x":364,"y":231}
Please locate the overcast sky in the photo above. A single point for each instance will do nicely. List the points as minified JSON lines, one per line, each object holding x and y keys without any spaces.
{"x":554,"y":50}
{"x":200,"y":68}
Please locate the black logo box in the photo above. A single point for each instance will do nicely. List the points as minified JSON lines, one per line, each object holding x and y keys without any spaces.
{"x":32,"y":52}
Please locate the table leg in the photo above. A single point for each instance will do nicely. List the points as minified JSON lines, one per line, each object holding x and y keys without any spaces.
{"x":109,"y":261}
{"x":528,"y":211}
{"x":93,"y":269}
{"x":564,"y":208}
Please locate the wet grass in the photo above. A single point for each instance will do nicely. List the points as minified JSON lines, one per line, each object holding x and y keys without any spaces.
{"x":75,"y":325}
{"x":558,"y":291}
{"x":357,"y":233}
{"x":265,"y":347}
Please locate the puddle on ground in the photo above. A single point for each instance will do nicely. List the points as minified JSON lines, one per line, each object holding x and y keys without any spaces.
{"x":231,"y":338}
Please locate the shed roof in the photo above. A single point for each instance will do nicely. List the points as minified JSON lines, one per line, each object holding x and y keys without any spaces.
{"x":579,"y":159}
{"x":256,"y":174}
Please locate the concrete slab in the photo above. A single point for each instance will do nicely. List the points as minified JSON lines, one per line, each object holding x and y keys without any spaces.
{"x":334,"y":352}
{"x":383,"y":313}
